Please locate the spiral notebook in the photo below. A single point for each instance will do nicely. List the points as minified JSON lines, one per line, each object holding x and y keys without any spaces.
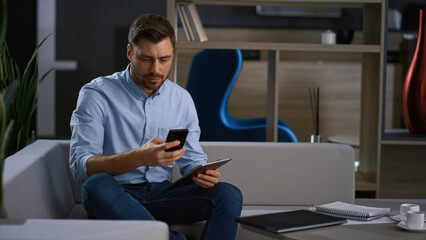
{"x":352,"y":211}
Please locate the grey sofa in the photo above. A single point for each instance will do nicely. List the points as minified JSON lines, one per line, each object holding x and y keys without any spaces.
{"x":271,"y":176}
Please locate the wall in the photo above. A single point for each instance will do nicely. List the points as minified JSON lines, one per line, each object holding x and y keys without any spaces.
{"x":94,"y":33}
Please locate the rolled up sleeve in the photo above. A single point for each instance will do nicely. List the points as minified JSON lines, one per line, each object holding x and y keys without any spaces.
{"x":87,"y":131}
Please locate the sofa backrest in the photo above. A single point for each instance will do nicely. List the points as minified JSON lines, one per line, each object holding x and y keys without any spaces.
{"x":36,"y":183}
{"x":278,"y":173}
{"x":287,"y":173}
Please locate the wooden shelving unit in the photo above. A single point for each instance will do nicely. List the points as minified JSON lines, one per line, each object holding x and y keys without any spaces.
{"x":356,"y":48}
{"x":373,"y":138}
{"x":402,"y":137}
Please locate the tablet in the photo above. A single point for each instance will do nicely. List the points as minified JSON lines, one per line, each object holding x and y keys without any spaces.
{"x":187,"y":179}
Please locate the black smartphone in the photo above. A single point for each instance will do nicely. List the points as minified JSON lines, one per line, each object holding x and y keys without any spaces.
{"x":177,"y":134}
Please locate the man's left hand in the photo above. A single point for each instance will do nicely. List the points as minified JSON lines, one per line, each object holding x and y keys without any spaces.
{"x":207,"y":179}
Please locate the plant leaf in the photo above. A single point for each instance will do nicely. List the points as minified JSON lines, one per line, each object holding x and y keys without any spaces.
{"x":8,"y":94}
{"x":33,"y":57}
{"x":44,"y":75}
{"x":5,"y":140}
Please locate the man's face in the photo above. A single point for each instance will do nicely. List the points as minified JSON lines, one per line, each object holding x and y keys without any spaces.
{"x":150,"y":63}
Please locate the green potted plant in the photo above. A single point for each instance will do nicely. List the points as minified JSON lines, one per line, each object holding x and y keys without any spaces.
{"x":24,"y":99}
{"x":18,"y":97}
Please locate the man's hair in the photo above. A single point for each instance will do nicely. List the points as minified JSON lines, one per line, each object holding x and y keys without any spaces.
{"x":152,"y":27}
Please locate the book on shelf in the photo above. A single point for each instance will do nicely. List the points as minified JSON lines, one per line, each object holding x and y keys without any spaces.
{"x":191,"y":22}
{"x":352,"y":211}
{"x":185,"y":22}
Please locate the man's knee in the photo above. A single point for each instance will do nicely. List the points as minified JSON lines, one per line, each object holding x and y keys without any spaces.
{"x":230,"y":195}
{"x":96,"y":186}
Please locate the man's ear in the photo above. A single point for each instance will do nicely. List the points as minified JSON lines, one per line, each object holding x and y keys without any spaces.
{"x":129,"y":52}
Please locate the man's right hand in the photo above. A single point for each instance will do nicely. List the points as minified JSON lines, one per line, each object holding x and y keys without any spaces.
{"x":153,"y":152}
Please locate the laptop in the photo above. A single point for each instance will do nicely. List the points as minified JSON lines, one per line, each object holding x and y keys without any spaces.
{"x":283,"y":222}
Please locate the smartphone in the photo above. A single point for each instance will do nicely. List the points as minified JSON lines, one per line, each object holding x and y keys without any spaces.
{"x":177,"y":134}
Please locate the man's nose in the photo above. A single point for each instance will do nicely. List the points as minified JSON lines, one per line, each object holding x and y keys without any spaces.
{"x":155,"y":67}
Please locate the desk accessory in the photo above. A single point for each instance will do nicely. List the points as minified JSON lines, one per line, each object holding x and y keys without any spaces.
{"x":290,"y":221}
{"x":344,"y":36}
{"x":415,"y":219}
{"x":397,"y":218}
{"x":405,"y":208}
{"x":352,"y":211}
{"x":328,"y":37}
{"x":414,"y":88}
{"x":314,"y":100}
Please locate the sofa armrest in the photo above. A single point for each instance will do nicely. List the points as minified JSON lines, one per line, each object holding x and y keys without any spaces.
{"x":82,"y":229}
{"x":36,"y":183}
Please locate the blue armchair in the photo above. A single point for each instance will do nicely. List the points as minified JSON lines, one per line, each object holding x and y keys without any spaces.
{"x":212,"y":75}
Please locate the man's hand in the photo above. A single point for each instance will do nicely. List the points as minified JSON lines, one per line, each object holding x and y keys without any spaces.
{"x":154,"y":154}
{"x":151,"y":153}
{"x":207,"y":179}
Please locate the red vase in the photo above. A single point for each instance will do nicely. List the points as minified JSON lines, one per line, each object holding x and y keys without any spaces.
{"x":414,"y":89}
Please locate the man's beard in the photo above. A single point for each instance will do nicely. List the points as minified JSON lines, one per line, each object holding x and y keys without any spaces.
{"x":146,"y":83}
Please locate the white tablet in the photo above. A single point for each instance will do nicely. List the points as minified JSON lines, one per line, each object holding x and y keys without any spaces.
{"x":187,"y":179}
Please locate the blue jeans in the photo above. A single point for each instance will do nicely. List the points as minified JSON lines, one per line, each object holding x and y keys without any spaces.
{"x":104,"y":198}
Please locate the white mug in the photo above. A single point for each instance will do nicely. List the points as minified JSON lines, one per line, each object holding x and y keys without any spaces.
{"x":406,"y":207}
{"x":328,"y":37}
{"x":415,"y":219}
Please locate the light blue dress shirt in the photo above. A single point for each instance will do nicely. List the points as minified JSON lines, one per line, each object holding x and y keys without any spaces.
{"x":113,"y":115}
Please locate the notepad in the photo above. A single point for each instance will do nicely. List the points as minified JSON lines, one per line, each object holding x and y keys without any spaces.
{"x":290,"y":221}
{"x":352,"y":211}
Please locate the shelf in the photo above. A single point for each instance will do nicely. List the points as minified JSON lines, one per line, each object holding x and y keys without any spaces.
{"x":363,"y":184}
{"x":345,"y":139}
{"x":355,"y":48}
{"x":310,"y":3}
{"x":372,"y":47}
{"x":402,"y":137}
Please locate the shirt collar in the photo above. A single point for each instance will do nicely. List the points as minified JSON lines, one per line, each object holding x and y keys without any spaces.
{"x":134,"y":88}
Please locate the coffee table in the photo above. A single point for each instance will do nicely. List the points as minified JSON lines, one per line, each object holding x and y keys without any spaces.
{"x":375,"y":231}
{"x":387,"y":231}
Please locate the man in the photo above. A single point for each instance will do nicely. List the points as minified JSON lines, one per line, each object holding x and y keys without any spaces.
{"x":118,"y":149}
